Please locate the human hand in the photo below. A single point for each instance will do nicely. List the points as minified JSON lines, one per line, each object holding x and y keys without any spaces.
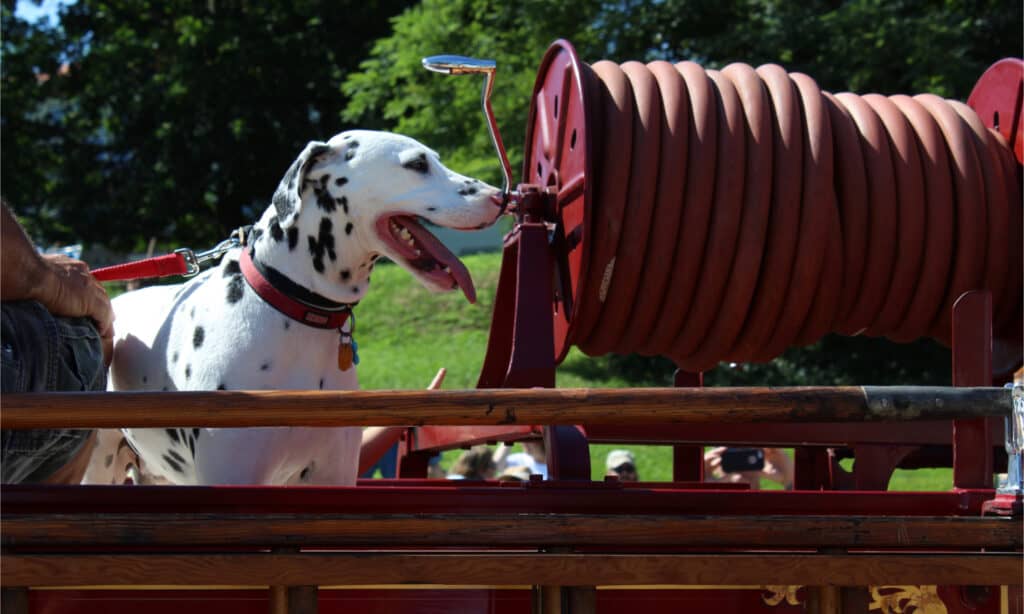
{"x":778,"y":467}
{"x":66,"y":288}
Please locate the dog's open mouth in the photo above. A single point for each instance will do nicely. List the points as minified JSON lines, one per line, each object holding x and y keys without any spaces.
{"x":425,"y":254}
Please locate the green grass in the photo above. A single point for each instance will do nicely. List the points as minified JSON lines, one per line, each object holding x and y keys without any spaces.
{"x":405,"y":333}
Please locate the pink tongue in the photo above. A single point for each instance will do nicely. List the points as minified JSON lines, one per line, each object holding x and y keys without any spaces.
{"x":442,"y":255}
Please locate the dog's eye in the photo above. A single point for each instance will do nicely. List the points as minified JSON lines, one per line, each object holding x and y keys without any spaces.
{"x":418,"y":164}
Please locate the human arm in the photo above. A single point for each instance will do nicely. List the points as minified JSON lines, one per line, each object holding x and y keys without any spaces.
{"x":62,"y":285}
{"x":378,"y":439}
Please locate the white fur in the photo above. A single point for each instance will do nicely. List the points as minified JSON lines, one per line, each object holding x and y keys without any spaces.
{"x":248,"y":345}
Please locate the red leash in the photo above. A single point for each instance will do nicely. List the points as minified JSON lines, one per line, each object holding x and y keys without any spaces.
{"x":160,"y":266}
{"x":183,"y":261}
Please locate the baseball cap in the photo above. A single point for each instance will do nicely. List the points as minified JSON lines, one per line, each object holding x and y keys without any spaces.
{"x":617,"y":458}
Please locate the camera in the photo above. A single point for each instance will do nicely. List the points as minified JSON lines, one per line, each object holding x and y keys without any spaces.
{"x":742,"y":459}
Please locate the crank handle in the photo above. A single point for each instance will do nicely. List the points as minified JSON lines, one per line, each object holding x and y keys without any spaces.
{"x":461,"y":65}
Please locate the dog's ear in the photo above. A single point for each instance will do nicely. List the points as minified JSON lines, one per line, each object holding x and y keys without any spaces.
{"x":288,"y":195}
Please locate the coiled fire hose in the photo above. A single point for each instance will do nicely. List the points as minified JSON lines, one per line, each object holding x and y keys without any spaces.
{"x":726,"y":215}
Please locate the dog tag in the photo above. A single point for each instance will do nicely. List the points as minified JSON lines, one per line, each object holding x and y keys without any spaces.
{"x":345,"y":354}
{"x":348,"y":352}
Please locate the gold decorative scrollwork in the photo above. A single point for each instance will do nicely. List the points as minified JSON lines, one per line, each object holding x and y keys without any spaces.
{"x":774,"y":595}
{"x":906,"y":599}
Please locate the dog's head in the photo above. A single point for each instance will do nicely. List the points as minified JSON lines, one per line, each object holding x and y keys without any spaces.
{"x":363,"y":194}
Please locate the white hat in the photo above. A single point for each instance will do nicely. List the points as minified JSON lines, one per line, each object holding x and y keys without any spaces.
{"x":617,"y":458}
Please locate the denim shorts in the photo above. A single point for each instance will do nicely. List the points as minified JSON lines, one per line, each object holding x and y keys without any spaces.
{"x":39,"y":353}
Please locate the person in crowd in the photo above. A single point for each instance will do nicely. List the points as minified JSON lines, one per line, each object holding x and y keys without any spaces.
{"x":778,"y":468}
{"x":533,"y":457}
{"x":477,"y":463}
{"x":621,"y":463}
{"x":518,"y":473}
{"x":56,"y":334}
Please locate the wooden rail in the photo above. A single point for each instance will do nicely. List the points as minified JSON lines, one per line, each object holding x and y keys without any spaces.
{"x":501,"y":406}
{"x":510,"y":530}
{"x":533,"y":568}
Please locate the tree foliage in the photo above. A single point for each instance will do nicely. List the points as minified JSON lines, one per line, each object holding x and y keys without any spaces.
{"x":393,"y":91}
{"x":173,"y":119}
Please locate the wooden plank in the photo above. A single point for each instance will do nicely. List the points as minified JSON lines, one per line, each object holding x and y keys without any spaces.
{"x":347,"y":568}
{"x":514,"y":530}
{"x":14,"y":600}
{"x":500,"y":406}
{"x":278,"y":600}
{"x":303,"y":600}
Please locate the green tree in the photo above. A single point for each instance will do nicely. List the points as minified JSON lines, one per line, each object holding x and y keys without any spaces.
{"x":171,"y":119}
{"x":886,"y":46}
{"x":393,"y":91}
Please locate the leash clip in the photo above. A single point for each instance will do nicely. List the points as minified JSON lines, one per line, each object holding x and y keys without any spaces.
{"x":193,"y":261}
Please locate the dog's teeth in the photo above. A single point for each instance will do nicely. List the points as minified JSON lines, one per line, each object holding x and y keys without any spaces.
{"x":406,"y":234}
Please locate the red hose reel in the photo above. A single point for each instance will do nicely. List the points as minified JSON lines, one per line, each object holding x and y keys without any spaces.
{"x":725,"y":215}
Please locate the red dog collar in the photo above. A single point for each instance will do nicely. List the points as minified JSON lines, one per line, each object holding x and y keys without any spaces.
{"x":310,"y":315}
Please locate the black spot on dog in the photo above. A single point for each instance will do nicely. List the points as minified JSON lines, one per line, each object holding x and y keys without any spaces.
{"x":192,"y":447}
{"x":195,"y":432}
{"x":174,"y":356}
{"x":173,"y":434}
{"x":144,"y":379}
{"x":236,"y":288}
{"x":257,"y":234}
{"x":350,"y":154}
{"x":165,"y":389}
{"x":348,"y":228}
{"x":293,"y":238}
{"x":418,"y":164}
{"x":321,"y":245}
{"x":198,"y":336}
{"x":232,"y":267}
{"x":276,"y":232}
{"x":221,"y":387}
{"x":324,"y":199}
{"x":345,"y":275}
{"x":304,"y":474}
{"x":265,"y":366}
{"x":340,"y":181}
{"x":344,"y":204}
{"x":188,"y":371}
{"x":192,"y":313}
{"x":431,"y":209}
{"x":176,"y":456}
{"x":321,"y":383}
{"x":172,"y":464}
{"x":109,"y":460}
{"x":287,"y":324}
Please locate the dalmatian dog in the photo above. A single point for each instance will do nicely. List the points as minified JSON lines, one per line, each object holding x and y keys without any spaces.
{"x":340,"y":206}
